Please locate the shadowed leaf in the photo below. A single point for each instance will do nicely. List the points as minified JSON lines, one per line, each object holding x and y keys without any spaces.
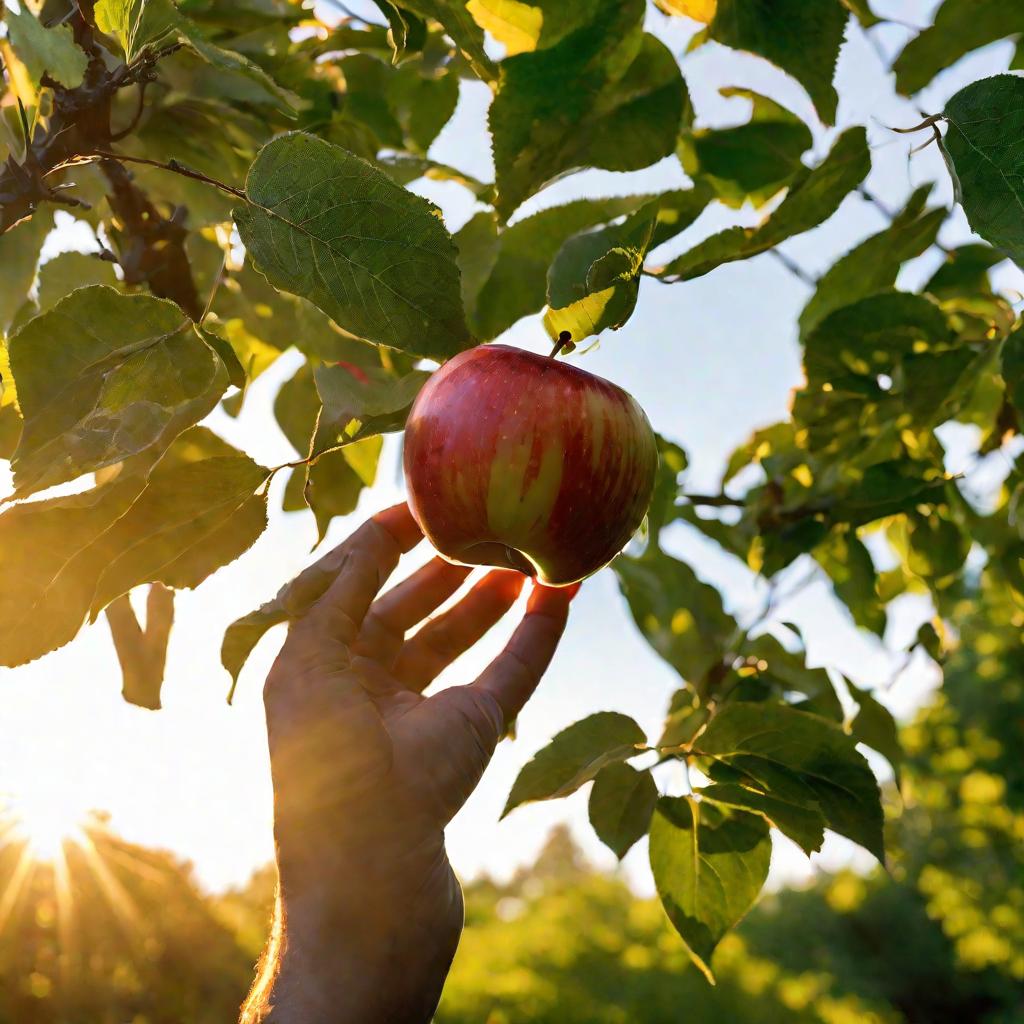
{"x":621,"y":803}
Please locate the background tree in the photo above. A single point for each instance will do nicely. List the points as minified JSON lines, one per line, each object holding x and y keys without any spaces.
{"x":242,"y":168}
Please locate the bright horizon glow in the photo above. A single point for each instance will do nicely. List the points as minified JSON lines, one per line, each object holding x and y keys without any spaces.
{"x":46,"y":818}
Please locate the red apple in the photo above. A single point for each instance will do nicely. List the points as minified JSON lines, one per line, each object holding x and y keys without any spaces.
{"x":526,"y":462}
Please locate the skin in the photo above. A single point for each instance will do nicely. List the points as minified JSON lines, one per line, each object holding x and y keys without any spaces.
{"x":368,"y":772}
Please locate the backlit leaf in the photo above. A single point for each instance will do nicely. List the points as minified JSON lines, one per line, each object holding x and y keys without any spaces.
{"x":875,"y":727}
{"x":801,"y":38}
{"x":460,"y":26}
{"x":752,"y":161}
{"x":524,"y":25}
{"x":709,"y":865}
{"x":606,"y":96}
{"x":680,"y":616}
{"x":372,"y":256}
{"x":621,"y":803}
{"x":103,"y":376}
{"x":19,"y":256}
{"x":575,"y":756}
{"x":959,"y":26}
{"x":804,"y":825}
{"x":46,"y":51}
{"x":812,"y":199}
{"x":137,"y":24}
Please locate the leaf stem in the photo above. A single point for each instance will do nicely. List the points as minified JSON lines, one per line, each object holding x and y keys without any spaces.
{"x":563,"y":344}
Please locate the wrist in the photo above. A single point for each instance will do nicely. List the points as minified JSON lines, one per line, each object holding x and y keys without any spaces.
{"x":361,"y":953}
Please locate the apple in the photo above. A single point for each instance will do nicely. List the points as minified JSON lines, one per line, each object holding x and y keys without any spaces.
{"x":526,"y":462}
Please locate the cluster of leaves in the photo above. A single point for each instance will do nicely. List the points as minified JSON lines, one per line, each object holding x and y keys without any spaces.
{"x":242,"y":167}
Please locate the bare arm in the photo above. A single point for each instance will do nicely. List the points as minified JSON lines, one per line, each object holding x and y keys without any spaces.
{"x":368,"y":772}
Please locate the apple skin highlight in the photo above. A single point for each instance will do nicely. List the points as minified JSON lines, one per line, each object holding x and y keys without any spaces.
{"x":521,"y":461}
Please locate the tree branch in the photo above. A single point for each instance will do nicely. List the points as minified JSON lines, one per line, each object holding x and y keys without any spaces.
{"x":142,"y":653}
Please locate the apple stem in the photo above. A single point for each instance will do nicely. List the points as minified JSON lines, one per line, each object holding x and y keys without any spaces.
{"x":564,"y":344}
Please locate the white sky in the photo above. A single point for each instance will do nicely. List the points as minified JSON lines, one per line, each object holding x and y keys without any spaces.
{"x":709,"y":360}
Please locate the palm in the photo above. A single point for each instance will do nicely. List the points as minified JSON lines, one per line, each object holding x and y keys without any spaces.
{"x":352,"y":734}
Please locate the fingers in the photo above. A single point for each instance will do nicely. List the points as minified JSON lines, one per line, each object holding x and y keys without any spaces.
{"x":411,"y":601}
{"x":513,"y":676}
{"x":356,"y":571}
{"x":424,"y":656}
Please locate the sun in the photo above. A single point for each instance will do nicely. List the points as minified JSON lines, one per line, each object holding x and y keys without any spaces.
{"x":46,"y":818}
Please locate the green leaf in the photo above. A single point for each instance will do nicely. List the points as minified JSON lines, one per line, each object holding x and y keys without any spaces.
{"x":847,"y":561}
{"x":803,"y":759}
{"x":874,"y":264}
{"x":335,"y":481}
{"x":460,"y":26}
{"x":964,"y":272}
{"x":681,"y":617}
{"x":621,"y":803}
{"x":1013,"y":366}
{"x":575,"y":756}
{"x":504,"y":274}
{"x":748,"y":162}
{"x":61,"y":557}
{"x":69,"y":271}
{"x":812,"y":199}
{"x":19,"y":257}
{"x":801,"y":38}
{"x":672,"y":463}
{"x":406,"y":31}
{"x":46,"y":51}
{"x":804,"y":825}
{"x":959,"y":26}
{"x":359,"y":403}
{"x":103,"y":376}
{"x":404,"y":109}
{"x":373,"y":257}
{"x":709,"y":866}
{"x":606,"y":96}
{"x":875,"y":727}
{"x":594,"y":280}
{"x":138,"y":24}
{"x":986,"y":120}
{"x":786,"y":672}
{"x":195,"y":515}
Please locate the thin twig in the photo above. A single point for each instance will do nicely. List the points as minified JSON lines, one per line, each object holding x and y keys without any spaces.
{"x":173,"y":166}
{"x":217,"y":281}
{"x":794,"y":268}
{"x":715,"y":500}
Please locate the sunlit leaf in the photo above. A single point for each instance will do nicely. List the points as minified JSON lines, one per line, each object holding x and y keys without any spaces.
{"x":459,"y":24}
{"x":709,"y":866}
{"x":372,"y":256}
{"x":524,"y":25}
{"x":575,"y":756}
{"x":46,"y":51}
{"x":19,"y":256}
{"x":103,"y":376}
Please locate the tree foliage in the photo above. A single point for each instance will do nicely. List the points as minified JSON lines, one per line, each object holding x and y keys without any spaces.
{"x":243,"y":168}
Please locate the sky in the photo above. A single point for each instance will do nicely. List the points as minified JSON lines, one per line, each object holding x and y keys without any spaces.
{"x":710,"y":360}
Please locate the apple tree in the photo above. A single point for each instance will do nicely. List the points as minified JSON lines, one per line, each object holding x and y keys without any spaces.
{"x":242,"y":168}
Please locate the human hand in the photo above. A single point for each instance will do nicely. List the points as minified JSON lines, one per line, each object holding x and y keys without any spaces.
{"x":368,"y":772}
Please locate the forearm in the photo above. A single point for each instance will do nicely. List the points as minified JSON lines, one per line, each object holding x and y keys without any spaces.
{"x":364,"y":961}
